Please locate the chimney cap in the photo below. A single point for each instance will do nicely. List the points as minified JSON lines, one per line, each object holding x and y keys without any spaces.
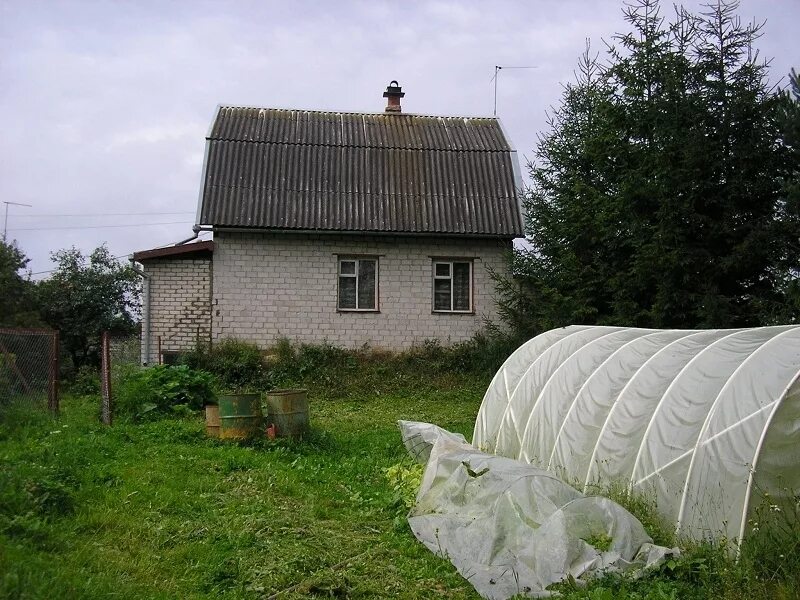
{"x":394,"y":90}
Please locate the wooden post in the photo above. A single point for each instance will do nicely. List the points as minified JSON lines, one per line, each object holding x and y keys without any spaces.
{"x":160,"y":358}
{"x":53,"y":383}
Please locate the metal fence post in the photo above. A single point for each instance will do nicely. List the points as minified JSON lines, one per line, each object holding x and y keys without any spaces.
{"x":105,"y":377}
{"x":54,"y":378}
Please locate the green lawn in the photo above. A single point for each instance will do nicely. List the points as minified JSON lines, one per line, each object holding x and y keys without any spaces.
{"x":158,"y":510}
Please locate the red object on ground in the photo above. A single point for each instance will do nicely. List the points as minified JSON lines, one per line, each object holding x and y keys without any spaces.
{"x":271,"y":431}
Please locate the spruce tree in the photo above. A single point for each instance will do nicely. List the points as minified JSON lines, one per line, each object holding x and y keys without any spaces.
{"x":659,"y":192}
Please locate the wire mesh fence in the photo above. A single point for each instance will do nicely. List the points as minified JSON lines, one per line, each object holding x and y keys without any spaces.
{"x":119,"y":357}
{"x":29,"y":368}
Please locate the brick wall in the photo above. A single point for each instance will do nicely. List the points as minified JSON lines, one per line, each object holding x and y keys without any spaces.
{"x":268,"y":286}
{"x":180,"y":301}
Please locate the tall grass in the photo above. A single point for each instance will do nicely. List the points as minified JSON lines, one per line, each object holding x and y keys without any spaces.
{"x":342,"y":373}
{"x":766,"y":566}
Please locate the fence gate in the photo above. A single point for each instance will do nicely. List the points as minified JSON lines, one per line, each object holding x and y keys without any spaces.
{"x":119,"y":355}
{"x":29,"y":367}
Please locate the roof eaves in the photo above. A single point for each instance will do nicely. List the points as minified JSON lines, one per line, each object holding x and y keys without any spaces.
{"x":183,"y":251}
{"x":517,"y":175}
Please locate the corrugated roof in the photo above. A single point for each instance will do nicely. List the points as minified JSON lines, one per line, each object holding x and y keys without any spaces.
{"x":292,"y":169}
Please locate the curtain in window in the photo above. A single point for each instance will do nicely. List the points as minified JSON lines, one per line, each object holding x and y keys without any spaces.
{"x":441,"y":294}
{"x":366,"y":284}
{"x":461,"y":291}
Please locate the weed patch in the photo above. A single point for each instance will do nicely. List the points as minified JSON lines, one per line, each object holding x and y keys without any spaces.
{"x":162,"y":389}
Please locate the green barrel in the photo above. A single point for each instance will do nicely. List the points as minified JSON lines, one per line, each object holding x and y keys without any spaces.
{"x":239,"y":416}
{"x":288,"y":411}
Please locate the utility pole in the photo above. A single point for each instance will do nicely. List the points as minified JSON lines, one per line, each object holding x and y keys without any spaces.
{"x":5,"y":223}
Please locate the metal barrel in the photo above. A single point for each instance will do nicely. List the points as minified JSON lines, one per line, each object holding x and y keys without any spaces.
{"x":240,"y":416}
{"x":212,"y":420}
{"x":288,"y":411}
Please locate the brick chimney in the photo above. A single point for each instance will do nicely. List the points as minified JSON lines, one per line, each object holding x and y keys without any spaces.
{"x":394,"y":92}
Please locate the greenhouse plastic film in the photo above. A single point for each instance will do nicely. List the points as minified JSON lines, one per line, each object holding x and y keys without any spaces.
{"x":684,"y":417}
{"x":512,"y":528}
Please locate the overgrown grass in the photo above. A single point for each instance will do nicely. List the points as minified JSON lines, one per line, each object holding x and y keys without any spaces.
{"x":158,"y":510}
{"x":342,"y":373}
{"x":768,"y":566}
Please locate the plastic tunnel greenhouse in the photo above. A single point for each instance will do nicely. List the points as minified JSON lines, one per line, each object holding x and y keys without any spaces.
{"x":705,"y":421}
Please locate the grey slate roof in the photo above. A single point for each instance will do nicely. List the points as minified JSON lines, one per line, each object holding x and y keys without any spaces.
{"x":312,"y":170}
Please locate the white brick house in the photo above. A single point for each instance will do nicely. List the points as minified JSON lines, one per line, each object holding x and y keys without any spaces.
{"x":351,"y":228}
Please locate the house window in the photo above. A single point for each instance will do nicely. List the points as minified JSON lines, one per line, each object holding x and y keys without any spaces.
{"x":358,"y":284}
{"x":452,"y":286}
{"x":170,"y":357}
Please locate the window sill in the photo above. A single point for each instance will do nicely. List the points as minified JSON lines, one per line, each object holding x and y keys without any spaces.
{"x":358,"y":310}
{"x":453,"y":312}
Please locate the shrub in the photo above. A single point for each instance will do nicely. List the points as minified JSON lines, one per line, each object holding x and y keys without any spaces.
{"x":321,"y":363}
{"x":235,"y":363}
{"x":85,"y":381}
{"x":242,"y":366}
{"x":163,"y":389}
{"x":481,"y":354}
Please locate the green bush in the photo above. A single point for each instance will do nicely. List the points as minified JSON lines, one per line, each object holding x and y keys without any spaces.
{"x":481,"y":354}
{"x":85,"y":381}
{"x":162,"y":390}
{"x":340,"y":373}
{"x":236,"y":364}
{"x":307,"y":362}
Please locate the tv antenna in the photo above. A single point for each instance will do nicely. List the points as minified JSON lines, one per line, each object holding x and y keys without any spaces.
{"x":5,"y":223}
{"x":495,"y":77}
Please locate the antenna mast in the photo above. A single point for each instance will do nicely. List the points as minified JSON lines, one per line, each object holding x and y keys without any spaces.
{"x":497,"y":69}
{"x":5,"y":223}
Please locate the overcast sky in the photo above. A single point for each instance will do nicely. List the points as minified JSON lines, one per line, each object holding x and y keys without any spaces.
{"x":104,"y":106}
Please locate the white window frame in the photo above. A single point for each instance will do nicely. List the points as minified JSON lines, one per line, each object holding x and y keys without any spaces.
{"x":435,"y":277}
{"x":356,"y":260}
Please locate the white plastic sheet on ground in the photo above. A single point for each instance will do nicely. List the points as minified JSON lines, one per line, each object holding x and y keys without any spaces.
{"x":511,"y":528}
{"x":705,"y":422}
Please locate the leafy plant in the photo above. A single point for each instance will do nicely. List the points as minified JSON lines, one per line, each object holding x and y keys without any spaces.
{"x":600,"y":541}
{"x":164,"y":389}
{"x":405,"y":478}
{"x":85,"y":381}
{"x":50,"y":498}
{"x":236,"y":364}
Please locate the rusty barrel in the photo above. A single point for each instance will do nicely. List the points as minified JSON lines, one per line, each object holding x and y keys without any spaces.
{"x":288,"y":411}
{"x":239,"y":416}
{"x":212,"y":420}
